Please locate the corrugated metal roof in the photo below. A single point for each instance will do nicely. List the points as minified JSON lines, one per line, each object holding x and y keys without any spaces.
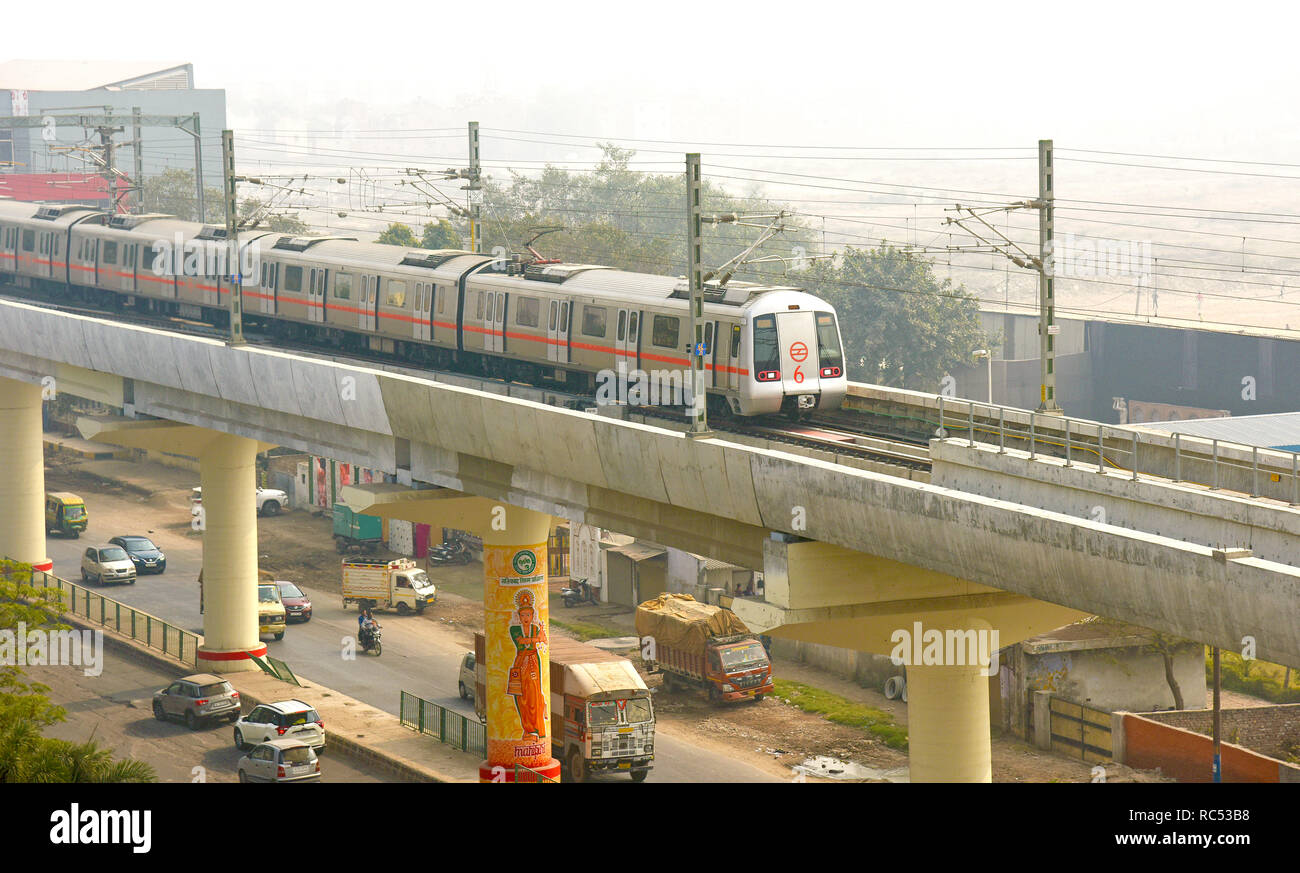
{"x":1276,"y":431}
{"x":639,"y":551}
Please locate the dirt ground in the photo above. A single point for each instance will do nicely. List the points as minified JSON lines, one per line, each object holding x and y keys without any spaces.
{"x":772,"y":735}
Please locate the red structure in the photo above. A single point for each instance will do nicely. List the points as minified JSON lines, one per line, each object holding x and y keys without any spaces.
{"x":61,"y":188}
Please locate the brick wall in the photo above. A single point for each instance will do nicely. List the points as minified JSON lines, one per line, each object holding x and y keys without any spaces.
{"x":1272,"y":730}
{"x":1188,"y":756}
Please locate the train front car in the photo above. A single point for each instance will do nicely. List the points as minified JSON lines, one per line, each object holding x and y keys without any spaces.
{"x":791,"y":342}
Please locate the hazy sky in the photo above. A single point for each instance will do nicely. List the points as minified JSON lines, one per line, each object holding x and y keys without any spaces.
{"x":1218,"y":81}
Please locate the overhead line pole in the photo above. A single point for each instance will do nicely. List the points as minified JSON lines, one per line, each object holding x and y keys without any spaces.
{"x":1047,"y":327}
{"x":233,"y":262}
{"x":136,"y":149}
{"x":694,"y":255}
{"x":474,"y":188}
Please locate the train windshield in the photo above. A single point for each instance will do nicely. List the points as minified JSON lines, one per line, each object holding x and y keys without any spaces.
{"x":829,"y":352}
{"x":767,"y":351}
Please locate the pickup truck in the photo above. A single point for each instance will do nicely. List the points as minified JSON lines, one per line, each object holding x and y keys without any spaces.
{"x":269,"y":501}
{"x":398,"y":584}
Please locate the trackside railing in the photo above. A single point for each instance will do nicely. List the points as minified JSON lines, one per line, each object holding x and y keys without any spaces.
{"x":1213,"y":463}
{"x":445,"y":725}
{"x":137,"y":624}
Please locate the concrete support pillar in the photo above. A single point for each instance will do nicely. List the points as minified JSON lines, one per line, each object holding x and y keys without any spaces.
{"x":948,"y":724}
{"x":227,"y":474}
{"x":517,"y":634}
{"x":22,"y":487}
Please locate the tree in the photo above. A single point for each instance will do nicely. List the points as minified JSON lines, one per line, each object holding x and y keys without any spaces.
{"x":26,"y":755}
{"x":398,"y":235}
{"x":440,"y":236}
{"x":172,"y":192}
{"x":276,"y":223}
{"x":900,"y":324}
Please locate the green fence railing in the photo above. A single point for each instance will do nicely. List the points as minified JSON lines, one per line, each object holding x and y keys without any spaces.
{"x":452,"y":728}
{"x":134,"y":623}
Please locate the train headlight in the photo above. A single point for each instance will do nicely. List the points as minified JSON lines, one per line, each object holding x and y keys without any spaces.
{"x":769,"y":375}
{"x":831,"y":372}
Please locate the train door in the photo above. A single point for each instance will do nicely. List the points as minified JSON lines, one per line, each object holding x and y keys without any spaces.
{"x":712,"y":359}
{"x":210,"y":281}
{"x":797,"y":335}
{"x":371,"y":306}
{"x":43,"y":254}
{"x":733,"y":358}
{"x":499,"y":323}
{"x":266,"y":291}
{"x":625,"y":338}
{"x":562,"y":333}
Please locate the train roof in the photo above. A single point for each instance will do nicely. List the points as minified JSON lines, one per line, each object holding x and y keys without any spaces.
{"x":602,"y":280}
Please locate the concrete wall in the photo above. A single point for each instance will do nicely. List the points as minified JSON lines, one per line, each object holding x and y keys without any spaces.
{"x":867,"y":669}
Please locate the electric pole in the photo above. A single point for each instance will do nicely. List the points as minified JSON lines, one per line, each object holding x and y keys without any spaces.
{"x":109,"y":148}
{"x":474,"y":189}
{"x":198,"y":169}
{"x":136,"y":150}
{"x":694,"y":254}
{"x":1047,"y":327}
{"x":235,"y":273}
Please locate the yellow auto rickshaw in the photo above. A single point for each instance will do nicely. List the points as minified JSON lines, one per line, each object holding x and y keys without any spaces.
{"x":65,"y":513}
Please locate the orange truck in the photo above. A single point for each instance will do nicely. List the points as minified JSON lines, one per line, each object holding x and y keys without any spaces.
{"x":602,"y":718}
{"x":697,"y":645}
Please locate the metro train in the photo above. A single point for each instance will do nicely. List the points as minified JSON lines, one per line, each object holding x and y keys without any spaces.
{"x":768,"y":348}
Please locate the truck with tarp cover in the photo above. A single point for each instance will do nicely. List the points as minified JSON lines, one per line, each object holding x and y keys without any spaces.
{"x":699,"y":645}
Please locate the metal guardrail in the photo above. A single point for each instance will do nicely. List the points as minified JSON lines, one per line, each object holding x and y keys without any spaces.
{"x":452,"y":728}
{"x":1086,"y":443}
{"x":134,"y":623}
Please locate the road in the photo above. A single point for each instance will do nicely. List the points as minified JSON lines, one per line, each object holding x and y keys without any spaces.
{"x":420,"y":656}
{"x":114,"y":708}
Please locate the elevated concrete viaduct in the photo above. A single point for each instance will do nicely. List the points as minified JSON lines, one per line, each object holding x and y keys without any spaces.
{"x":858,"y":555}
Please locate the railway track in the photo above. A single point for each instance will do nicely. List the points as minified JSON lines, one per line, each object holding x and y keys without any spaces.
{"x":838,"y":435}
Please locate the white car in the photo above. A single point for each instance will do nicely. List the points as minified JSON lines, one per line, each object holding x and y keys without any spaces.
{"x":106,"y":564}
{"x":280,"y":761}
{"x":270,"y":501}
{"x":288,"y":720}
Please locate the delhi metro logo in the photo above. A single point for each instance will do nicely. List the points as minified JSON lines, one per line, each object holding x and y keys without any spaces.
{"x":798,"y":352}
{"x":524,"y":562}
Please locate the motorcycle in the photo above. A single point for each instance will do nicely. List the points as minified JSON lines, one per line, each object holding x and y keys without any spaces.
{"x":582,"y":593}
{"x":371,"y":640}
{"x":450,"y":553}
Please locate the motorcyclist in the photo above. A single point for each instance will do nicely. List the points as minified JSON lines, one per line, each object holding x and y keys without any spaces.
{"x":366,"y":625}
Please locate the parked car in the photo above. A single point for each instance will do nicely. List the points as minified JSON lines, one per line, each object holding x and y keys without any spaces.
{"x":270,"y":501}
{"x":290,"y":719}
{"x":146,"y":557}
{"x":297,"y":606}
{"x":106,"y":564}
{"x":281,"y":760}
{"x":196,"y":699}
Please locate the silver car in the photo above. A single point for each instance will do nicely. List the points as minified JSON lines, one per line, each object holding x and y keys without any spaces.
{"x":197,"y":699}
{"x":106,"y":564}
{"x":280,"y":760}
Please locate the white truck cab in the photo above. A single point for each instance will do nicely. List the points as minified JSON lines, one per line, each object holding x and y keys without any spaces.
{"x":397,"y":584}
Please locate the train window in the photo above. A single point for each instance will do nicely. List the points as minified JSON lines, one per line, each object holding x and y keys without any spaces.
{"x":593,"y":321}
{"x":29,"y":240}
{"x":555,"y":308}
{"x":441,"y":293}
{"x":491,"y":307}
{"x":735,"y":341}
{"x":396,"y":294}
{"x":622,"y":325}
{"x":478,"y":305}
{"x":110,"y":252}
{"x":829,"y":353}
{"x":666,"y":331}
{"x":564,"y":317}
{"x":528,"y":311}
{"x":293,"y":278}
{"x":767,"y":350}
{"x":631,"y":327}
{"x":708,"y":338}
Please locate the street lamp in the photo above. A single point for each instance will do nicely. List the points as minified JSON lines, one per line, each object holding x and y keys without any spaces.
{"x":985,"y":353}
